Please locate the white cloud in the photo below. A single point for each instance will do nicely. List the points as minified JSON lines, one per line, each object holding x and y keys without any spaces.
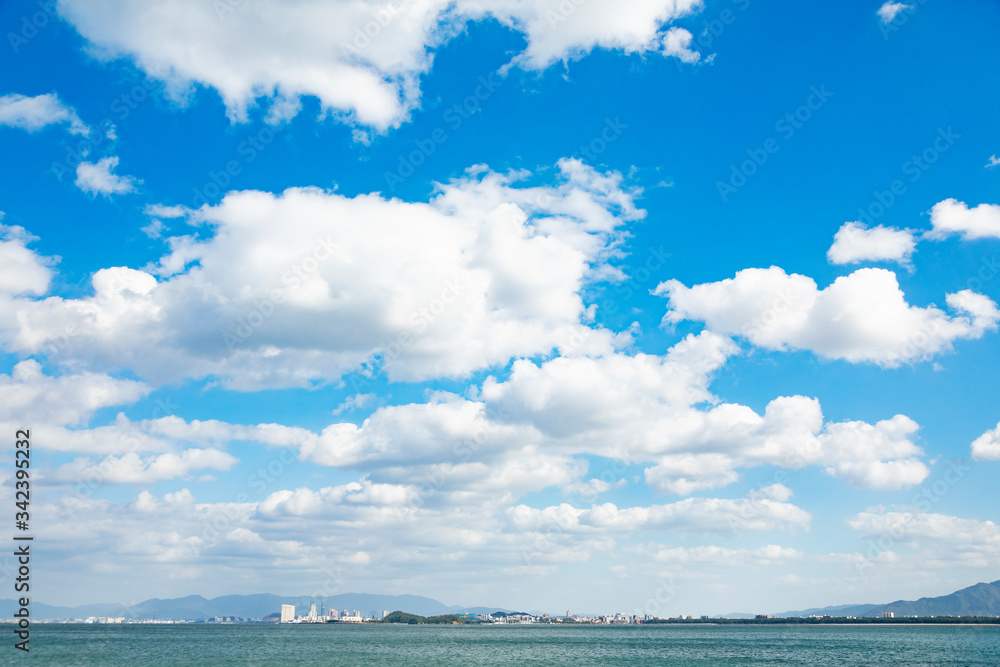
{"x":308,"y":285}
{"x":854,"y":243}
{"x":880,"y":456}
{"x":862,"y":317}
{"x":888,"y":11}
{"x":954,"y":217}
{"x":154,"y":229}
{"x":530,"y":433}
{"x":163,"y":211}
{"x":22,"y":271}
{"x":130,"y":468}
{"x":677,"y":43}
{"x":640,"y":409}
{"x":715,"y":556}
{"x":304,"y":536}
{"x":904,"y":527}
{"x":987,"y":446}
{"x":98,"y":179}
{"x":355,"y":402}
{"x":992,"y":162}
{"x":34,"y":113}
{"x":30,"y":396}
{"x":360,"y":59}
{"x":691,"y":515}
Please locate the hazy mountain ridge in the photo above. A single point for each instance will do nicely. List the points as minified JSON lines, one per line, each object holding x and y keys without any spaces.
{"x":978,"y":600}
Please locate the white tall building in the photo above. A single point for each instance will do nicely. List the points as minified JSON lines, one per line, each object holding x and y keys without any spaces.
{"x":312,"y":612}
{"x":287,"y":613}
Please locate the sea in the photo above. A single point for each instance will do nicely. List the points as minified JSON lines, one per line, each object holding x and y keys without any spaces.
{"x":342,"y":644}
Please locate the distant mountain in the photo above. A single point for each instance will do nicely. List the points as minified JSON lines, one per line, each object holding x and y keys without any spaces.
{"x":978,"y":600}
{"x":195,"y":607}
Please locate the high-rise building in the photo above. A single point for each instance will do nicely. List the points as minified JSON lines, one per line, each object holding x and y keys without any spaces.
{"x":312,"y":612}
{"x":287,"y":613}
{"x":385,"y":612}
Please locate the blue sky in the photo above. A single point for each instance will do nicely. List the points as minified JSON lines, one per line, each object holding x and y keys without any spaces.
{"x":604,"y":187}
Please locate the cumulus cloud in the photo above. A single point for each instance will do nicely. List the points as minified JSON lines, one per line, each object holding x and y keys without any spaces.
{"x":34,"y":113}
{"x":639,"y":409}
{"x":691,"y":515}
{"x":98,"y":179}
{"x":130,"y":468}
{"x":862,"y":317}
{"x":532,"y":432}
{"x":888,"y":11}
{"x":154,"y":229}
{"x":308,"y":285}
{"x":715,"y":556}
{"x":909,"y":527}
{"x":954,"y":217}
{"x":22,"y":271}
{"x":362,"y":60}
{"x":165,"y":434}
{"x":992,"y":162}
{"x":987,"y":446}
{"x":854,"y":243}
{"x":303,"y":535}
{"x":28,"y":395}
{"x":879,"y":456}
{"x":677,"y":43}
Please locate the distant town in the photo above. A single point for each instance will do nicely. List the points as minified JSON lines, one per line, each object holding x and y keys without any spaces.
{"x":975,"y":604}
{"x":317,"y":614}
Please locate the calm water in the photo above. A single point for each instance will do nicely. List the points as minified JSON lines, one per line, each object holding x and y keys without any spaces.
{"x":65,"y":645}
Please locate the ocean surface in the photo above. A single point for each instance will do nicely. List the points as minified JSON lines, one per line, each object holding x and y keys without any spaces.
{"x":336,"y":644}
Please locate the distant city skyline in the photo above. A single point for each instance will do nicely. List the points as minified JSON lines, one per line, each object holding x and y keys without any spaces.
{"x":646,"y":306}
